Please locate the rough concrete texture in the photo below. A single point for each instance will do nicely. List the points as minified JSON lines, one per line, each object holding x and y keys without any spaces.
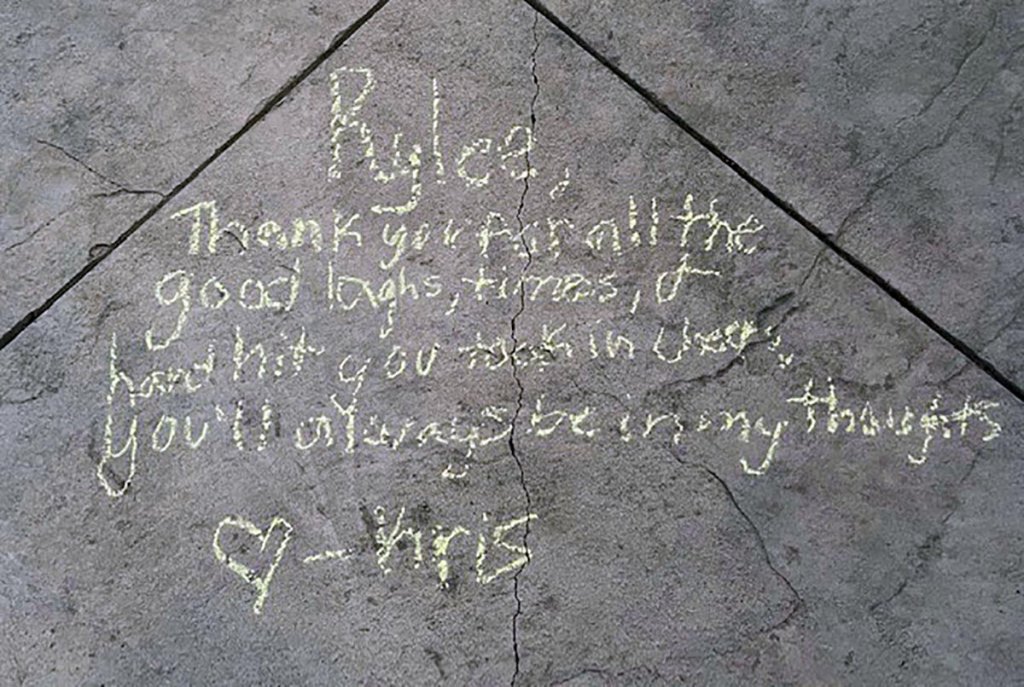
{"x":895,"y":127}
{"x":465,"y":366}
{"x":109,"y":106}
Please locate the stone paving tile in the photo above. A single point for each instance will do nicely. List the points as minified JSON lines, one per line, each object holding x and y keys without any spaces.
{"x":847,"y":519}
{"x":657,"y":395}
{"x":109,"y":105}
{"x":895,"y":127}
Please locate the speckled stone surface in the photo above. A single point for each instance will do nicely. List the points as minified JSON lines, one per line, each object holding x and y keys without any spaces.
{"x":463,"y":366}
{"x":895,"y":127}
{"x":108,"y":106}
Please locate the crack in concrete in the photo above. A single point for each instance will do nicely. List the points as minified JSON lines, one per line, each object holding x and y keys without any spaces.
{"x":798,"y":599}
{"x":119,"y":188}
{"x":929,"y":549}
{"x":943,"y":139}
{"x":959,"y":371}
{"x":780,"y":300}
{"x":814,"y":264}
{"x":829,"y":242}
{"x":1012,"y":322}
{"x":879,"y":183}
{"x":899,"y":590}
{"x":716,"y":374}
{"x":41,"y":227}
{"x":261,"y":112}
{"x":515,"y":345}
{"x":956,"y":72}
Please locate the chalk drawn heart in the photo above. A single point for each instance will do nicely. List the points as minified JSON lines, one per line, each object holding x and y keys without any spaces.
{"x":262,"y":584}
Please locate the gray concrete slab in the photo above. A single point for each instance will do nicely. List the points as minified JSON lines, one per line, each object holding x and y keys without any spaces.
{"x":461,"y":297}
{"x":108,"y":106}
{"x":895,"y":127}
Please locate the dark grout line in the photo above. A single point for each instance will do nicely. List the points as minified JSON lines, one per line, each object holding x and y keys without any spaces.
{"x":852,"y":260}
{"x":268,"y":106}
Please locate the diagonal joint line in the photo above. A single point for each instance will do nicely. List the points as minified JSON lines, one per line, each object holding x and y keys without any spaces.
{"x":266,"y":108}
{"x":829,"y":242}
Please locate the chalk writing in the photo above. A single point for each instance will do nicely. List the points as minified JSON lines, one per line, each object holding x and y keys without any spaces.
{"x":493,"y":555}
{"x":322,"y":336}
{"x":261,"y":583}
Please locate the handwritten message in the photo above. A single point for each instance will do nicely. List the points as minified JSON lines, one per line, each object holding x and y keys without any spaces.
{"x":354,"y":308}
